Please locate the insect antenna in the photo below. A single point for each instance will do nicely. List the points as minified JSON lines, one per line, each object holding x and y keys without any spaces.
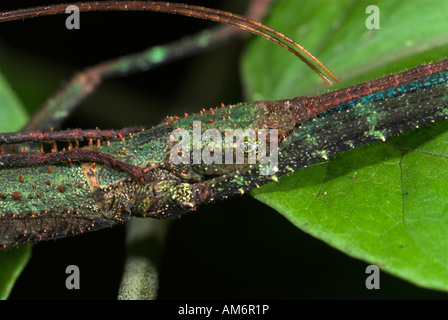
{"x":186,"y":10}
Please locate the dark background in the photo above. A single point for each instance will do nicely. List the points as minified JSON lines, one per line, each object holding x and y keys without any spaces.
{"x":234,"y":249}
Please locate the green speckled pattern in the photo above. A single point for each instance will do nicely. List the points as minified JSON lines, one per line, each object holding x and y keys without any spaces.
{"x":38,"y":203}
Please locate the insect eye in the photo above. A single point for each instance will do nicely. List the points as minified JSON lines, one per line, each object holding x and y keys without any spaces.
{"x":203,"y":193}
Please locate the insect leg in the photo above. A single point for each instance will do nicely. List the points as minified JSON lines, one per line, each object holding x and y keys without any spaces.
{"x":80,"y":155}
{"x":66,"y":135}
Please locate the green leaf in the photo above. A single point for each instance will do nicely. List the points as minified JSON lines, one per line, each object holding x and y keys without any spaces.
{"x":12,"y":261}
{"x":385,"y":203}
{"x":12,"y":113}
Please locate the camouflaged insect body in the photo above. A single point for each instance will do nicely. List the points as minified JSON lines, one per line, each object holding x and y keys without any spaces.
{"x":135,"y":175}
